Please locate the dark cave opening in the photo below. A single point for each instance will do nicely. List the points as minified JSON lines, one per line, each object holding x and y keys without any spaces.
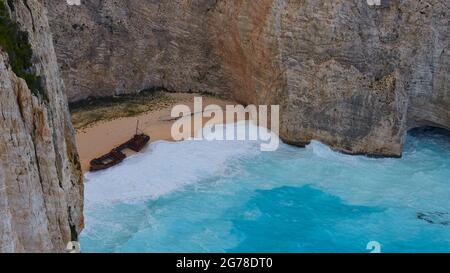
{"x":427,"y":131}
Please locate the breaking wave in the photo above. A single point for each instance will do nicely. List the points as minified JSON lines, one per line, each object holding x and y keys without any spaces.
{"x":228,"y":196}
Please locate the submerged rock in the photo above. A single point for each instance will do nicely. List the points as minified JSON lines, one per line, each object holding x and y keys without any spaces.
{"x":437,"y":218}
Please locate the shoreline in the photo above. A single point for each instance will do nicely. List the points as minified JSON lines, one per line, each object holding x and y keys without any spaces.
{"x":102,"y":136}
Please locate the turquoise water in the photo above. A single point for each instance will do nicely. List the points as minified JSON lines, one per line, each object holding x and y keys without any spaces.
{"x":230,"y":197}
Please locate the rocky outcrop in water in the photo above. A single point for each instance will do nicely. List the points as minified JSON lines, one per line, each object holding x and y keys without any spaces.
{"x":41,"y":188}
{"x":353,"y":76}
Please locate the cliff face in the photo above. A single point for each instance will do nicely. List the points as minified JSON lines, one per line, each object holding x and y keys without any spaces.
{"x":358,"y":77}
{"x":108,"y":48}
{"x":354,"y":76}
{"x":41,"y":190}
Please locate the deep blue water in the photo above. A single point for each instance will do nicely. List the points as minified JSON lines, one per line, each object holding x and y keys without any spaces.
{"x":230,"y":197}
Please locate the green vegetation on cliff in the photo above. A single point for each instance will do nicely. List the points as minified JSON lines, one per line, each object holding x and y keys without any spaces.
{"x":88,"y":112}
{"x":15,"y":43}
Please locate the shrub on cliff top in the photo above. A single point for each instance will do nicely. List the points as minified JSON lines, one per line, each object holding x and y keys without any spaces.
{"x":15,"y":43}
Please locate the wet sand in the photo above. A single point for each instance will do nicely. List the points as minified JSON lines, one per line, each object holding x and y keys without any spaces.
{"x":99,"y":138}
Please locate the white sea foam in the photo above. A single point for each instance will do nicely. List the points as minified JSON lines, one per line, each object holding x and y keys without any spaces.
{"x":360,"y":180}
{"x":166,"y":166}
{"x":323,"y":151}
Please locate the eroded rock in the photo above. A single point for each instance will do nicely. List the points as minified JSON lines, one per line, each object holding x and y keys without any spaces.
{"x":41,"y":187}
{"x":352,"y":75}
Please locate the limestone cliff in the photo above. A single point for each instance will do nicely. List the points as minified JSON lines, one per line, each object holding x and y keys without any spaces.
{"x":354,"y":76}
{"x":41,"y":190}
{"x":108,"y":48}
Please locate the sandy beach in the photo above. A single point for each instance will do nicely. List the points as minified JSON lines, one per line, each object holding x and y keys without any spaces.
{"x":99,"y":138}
